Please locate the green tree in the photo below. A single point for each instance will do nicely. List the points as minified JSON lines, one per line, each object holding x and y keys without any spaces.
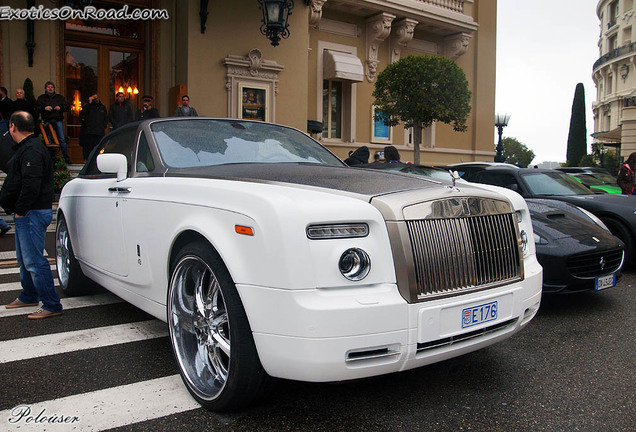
{"x":516,"y":152}
{"x":577,"y":137}
{"x":420,"y":90}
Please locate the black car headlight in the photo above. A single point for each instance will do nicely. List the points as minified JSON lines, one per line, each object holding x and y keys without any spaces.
{"x":354,"y":264}
{"x":540,"y":240}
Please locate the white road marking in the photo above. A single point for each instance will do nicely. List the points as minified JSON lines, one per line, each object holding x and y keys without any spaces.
{"x":16,"y":286}
{"x":16,"y":270}
{"x":67,"y":303}
{"x":106,"y":409}
{"x":57,"y":343}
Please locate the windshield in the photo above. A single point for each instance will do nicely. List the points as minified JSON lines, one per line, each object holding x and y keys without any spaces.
{"x":605,"y":178}
{"x":554,"y":183}
{"x":206,"y":142}
{"x":588,"y":179}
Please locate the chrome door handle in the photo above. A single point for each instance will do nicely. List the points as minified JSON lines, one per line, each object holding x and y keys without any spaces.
{"x":120,"y":189}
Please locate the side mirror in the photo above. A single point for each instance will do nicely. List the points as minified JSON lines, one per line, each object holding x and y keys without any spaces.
{"x":113,"y":163}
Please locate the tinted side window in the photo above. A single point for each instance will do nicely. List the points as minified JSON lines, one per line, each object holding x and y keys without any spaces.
{"x":145,"y":163}
{"x":123,"y":143}
{"x":496,"y":179}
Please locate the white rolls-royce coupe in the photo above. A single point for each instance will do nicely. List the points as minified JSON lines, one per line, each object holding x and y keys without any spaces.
{"x":269,"y":257}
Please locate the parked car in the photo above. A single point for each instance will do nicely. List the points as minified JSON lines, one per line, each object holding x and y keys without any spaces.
{"x":468,"y":168}
{"x":587,"y":170}
{"x":269,"y":257}
{"x":576,"y":250}
{"x":617,"y":212}
{"x":596,"y":183}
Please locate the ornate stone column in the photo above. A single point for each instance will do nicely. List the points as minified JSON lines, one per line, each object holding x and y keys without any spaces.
{"x":378,"y":28}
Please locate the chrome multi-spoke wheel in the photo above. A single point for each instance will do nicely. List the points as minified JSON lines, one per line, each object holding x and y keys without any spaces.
{"x":72,"y":280}
{"x":62,"y":253}
{"x":209,"y":331}
{"x":199,"y":327}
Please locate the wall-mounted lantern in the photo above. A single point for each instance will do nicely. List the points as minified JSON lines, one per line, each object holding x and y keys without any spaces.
{"x":275,"y":14}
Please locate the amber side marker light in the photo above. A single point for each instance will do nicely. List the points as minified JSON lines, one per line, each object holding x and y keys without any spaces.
{"x":245,"y":230}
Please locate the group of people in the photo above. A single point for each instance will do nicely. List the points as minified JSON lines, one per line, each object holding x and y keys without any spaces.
{"x":94,"y":118}
{"x":360,"y":156}
{"x":28,"y":189}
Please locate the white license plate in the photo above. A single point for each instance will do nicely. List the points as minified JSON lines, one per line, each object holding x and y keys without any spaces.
{"x":479,"y":314}
{"x":605,"y":282}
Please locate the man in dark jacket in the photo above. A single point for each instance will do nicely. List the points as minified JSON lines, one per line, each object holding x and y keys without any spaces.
{"x":6,"y":108}
{"x":120,"y":112}
{"x":52,"y":107}
{"x":21,"y":104}
{"x":93,"y":120}
{"x":147,"y":111}
{"x":28,"y":192}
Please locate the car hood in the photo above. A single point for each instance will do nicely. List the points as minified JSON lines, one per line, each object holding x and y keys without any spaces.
{"x":370,"y":183}
{"x":556,"y":220}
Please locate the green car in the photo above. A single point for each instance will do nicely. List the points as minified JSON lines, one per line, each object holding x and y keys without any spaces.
{"x":604,"y":182}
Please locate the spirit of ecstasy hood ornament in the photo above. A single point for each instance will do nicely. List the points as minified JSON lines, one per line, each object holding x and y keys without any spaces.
{"x":455,"y":176}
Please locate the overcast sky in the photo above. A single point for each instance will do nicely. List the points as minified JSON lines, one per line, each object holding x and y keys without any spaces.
{"x":544,"y":48}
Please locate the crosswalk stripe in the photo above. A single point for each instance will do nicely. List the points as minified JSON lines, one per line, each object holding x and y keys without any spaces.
{"x":14,"y":286}
{"x":58,"y":343}
{"x":68,"y":303}
{"x":105,"y":409}
{"x":16,"y":270}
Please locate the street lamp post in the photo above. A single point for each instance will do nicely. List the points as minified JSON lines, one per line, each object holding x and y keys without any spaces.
{"x":501,"y":121}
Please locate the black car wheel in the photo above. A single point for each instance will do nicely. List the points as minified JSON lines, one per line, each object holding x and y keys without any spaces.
{"x":209,"y":332}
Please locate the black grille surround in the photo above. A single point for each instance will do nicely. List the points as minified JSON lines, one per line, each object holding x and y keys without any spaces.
{"x":595,"y":264}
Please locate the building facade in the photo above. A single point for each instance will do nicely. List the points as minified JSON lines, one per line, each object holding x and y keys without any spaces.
{"x":614,"y":74}
{"x":319,"y":79}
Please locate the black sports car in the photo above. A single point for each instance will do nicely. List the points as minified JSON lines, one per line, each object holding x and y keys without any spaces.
{"x":617,"y":212}
{"x":576,"y":250}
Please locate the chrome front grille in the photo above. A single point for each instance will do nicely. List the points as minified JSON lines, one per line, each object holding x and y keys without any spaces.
{"x":595,"y":264}
{"x":464,"y":253}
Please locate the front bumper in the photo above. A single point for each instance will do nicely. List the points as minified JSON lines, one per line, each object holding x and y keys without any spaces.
{"x":339,"y":334}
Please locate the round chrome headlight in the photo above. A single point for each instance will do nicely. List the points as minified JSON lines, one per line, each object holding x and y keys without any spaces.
{"x":354,"y":264}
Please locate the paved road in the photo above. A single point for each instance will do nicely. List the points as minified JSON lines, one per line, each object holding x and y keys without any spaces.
{"x":573,"y":368}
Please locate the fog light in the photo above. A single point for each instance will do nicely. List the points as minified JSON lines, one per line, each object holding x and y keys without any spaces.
{"x":354,"y":264}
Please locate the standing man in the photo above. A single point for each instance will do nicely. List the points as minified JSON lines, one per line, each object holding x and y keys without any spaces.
{"x":21,"y":104}
{"x":93,"y":120}
{"x":52,"y":107}
{"x":185,"y":110}
{"x":120,"y":112}
{"x":6,"y":108}
{"x":28,"y":192}
{"x":147,"y":111}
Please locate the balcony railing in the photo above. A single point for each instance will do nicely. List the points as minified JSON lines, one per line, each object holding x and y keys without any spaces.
{"x":611,"y":24}
{"x":454,"y":5}
{"x":618,"y":52}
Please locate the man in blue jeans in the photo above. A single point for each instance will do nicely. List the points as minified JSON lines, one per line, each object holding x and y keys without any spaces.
{"x":28,"y":192}
{"x":52,"y":107}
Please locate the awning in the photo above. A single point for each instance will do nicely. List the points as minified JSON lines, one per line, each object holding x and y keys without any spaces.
{"x":341,"y":65}
{"x":613,"y":135}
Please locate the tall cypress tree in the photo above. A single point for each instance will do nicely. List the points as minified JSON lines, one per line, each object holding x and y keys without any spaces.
{"x":577,"y":138}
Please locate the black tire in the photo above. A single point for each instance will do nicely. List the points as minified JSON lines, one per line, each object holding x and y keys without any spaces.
{"x":205,"y":318}
{"x":73,"y":282}
{"x":623,"y":233}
